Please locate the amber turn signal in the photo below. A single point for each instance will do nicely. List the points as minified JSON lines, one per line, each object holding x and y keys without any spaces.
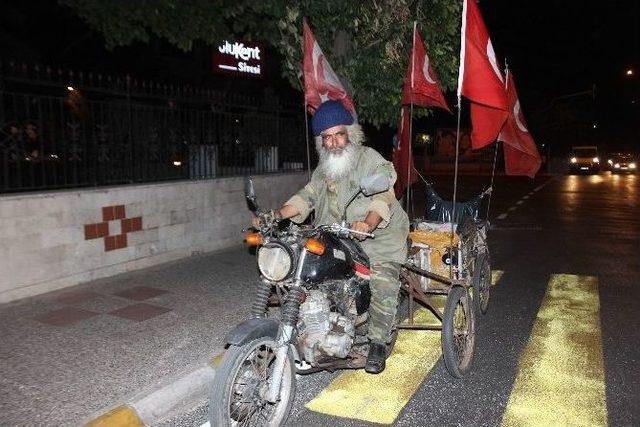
{"x":253,"y":239}
{"x":314,"y":246}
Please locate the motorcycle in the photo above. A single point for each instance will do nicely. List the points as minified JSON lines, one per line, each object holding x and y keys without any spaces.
{"x":321,"y":277}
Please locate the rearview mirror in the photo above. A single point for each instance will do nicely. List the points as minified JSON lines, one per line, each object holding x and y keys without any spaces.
{"x":250,"y":194}
{"x":374,"y":184}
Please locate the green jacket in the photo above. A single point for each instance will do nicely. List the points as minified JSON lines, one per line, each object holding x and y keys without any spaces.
{"x":328,"y":199}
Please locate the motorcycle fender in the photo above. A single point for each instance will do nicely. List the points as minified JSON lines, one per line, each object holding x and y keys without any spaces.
{"x":251,"y":329}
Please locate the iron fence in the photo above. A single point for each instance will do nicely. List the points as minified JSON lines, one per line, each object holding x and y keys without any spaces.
{"x":60,"y":129}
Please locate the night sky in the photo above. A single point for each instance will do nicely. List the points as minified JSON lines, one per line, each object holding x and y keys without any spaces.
{"x":557,"y":48}
{"x":554,"y":48}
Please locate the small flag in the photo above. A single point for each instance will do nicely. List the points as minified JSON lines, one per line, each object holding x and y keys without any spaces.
{"x":521,"y":156}
{"x":421,"y":86}
{"x":480,"y":79}
{"x":320,"y":81}
{"x":403,"y":156}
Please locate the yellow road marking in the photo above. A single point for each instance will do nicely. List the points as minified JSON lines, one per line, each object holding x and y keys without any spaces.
{"x":216,"y":360}
{"x":560,"y":378}
{"x":380,"y":398}
{"x":496,"y":275}
{"x":122,"y":416}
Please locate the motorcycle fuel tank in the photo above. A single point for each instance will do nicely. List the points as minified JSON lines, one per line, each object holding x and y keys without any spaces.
{"x":334,"y":264}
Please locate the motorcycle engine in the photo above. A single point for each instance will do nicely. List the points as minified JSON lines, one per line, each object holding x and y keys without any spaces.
{"x":322,"y":332}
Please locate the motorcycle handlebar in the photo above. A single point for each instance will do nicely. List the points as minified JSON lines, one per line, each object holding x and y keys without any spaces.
{"x":344,"y":231}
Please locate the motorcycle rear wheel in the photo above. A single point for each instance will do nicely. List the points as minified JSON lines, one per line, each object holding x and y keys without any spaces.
{"x":241,"y":382}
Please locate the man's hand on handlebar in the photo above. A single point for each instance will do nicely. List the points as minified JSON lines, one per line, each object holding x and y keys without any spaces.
{"x":362,"y":227}
{"x":266,"y":218}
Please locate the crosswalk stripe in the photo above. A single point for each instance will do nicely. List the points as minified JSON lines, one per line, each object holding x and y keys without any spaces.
{"x":560,"y":377}
{"x":380,"y":398}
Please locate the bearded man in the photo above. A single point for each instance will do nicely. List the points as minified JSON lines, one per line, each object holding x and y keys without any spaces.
{"x":344,"y":161}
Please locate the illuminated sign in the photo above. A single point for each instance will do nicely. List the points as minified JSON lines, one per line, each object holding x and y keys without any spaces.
{"x":238,"y":58}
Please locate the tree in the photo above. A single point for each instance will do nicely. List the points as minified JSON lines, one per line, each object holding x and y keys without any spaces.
{"x":367,"y":42}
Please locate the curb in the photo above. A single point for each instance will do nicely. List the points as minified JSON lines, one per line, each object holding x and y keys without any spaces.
{"x":149,"y":409}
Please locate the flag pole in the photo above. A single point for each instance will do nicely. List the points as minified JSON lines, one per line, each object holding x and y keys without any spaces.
{"x":409,"y":143}
{"x":495,"y":153}
{"x":463,"y":31}
{"x":306,"y":135}
{"x":304,"y":107}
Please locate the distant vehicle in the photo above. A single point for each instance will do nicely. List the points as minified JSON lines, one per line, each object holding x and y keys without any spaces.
{"x":622,"y":163}
{"x":584,"y":159}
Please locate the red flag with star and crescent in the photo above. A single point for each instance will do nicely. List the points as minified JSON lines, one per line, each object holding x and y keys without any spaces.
{"x":480,"y":79}
{"x":402,"y":157}
{"x":521,"y":156}
{"x":421,"y":86}
{"x":321,"y":83}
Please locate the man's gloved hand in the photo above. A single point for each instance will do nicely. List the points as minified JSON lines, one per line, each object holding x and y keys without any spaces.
{"x":362,"y":227}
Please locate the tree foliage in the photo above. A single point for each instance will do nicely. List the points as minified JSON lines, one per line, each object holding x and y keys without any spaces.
{"x":367,"y":42}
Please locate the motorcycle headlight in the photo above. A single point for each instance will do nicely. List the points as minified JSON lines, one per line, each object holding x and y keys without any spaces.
{"x":632,"y":165}
{"x":596,"y":160}
{"x":275,"y":261}
{"x":617,"y":166}
{"x":574,"y":160}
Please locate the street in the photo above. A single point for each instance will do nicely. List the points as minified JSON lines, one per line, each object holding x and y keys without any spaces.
{"x":557,"y":346}
{"x":580,"y":230}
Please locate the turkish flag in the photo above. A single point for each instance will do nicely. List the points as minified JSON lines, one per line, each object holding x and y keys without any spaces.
{"x":421,"y":86}
{"x":320,"y":81}
{"x":521,"y":156}
{"x":402,"y":155}
{"x":480,"y":79}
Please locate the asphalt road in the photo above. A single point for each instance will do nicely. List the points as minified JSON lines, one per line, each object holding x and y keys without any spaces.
{"x":563,"y":317}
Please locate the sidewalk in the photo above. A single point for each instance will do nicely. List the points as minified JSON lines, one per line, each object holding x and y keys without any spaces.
{"x":72,"y":355}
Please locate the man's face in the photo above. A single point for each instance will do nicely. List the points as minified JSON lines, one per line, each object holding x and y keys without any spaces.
{"x":335,"y":139}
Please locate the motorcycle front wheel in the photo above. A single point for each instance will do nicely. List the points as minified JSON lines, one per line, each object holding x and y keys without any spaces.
{"x":242,"y":382}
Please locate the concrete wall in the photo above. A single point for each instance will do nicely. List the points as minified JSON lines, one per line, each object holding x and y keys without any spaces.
{"x":57,"y":239}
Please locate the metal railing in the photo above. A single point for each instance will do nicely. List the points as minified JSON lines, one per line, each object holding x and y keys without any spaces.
{"x":60,"y":129}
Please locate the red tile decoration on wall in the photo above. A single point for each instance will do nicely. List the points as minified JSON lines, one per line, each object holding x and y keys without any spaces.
{"x":108,"y":213}
{"x":101,"y":229}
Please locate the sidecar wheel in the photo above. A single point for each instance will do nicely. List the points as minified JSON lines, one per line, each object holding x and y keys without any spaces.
{"x":458,"y":332}
{"x":240,"y":383}
{"x":481,"y":283}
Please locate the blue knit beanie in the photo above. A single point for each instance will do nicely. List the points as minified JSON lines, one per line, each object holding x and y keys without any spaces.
{"x":328,"y":115}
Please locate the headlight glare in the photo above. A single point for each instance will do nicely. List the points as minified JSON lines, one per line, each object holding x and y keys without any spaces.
{"x":617,"y":166}
{"x":632,"y":165}
{"x":596,"y":160}
{"x":574,"y":160}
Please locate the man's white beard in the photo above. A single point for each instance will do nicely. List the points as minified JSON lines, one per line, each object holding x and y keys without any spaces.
{"x":337,"y":165}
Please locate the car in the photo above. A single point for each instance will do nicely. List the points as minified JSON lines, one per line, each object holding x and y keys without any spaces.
{"x":622,"y":163}
{"x":584,"y":158}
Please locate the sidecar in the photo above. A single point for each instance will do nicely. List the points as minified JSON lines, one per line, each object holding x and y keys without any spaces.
{"x":449,"y":259}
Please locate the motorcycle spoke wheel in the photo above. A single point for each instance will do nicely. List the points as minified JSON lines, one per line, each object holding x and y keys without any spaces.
{"x":242,"y":382}
{"x":458,"y":332}
{"x":482,"y":283}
